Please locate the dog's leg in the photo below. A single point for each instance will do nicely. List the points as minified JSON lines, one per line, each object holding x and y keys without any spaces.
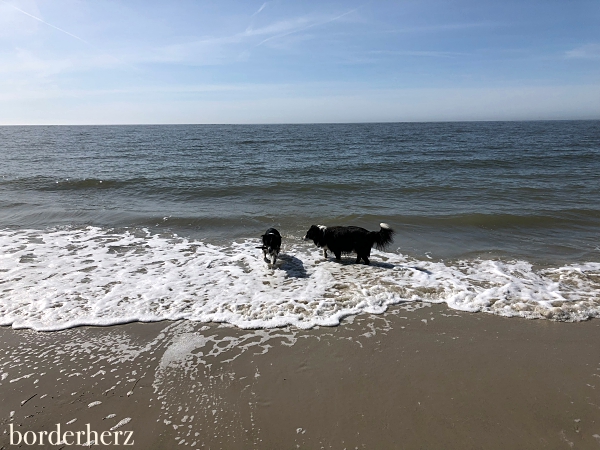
{"x":363,"y":254}
{"x":338,"y":255}
{"x":325,"y":253}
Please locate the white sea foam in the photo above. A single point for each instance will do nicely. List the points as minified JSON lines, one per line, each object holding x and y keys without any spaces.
{"x":57,"y":279}
{"x":125,"y":421}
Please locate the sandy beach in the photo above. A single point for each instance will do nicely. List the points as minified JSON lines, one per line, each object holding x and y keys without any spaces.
{"x":413,"y":378}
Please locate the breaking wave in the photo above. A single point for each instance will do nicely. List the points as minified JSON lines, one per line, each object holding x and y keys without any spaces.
{"x":61,"y":278}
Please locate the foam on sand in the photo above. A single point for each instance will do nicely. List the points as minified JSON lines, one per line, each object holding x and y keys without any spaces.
{"x":57,"y":279}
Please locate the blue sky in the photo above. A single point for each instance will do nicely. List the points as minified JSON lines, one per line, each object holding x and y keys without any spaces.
{"x":105,"y":62}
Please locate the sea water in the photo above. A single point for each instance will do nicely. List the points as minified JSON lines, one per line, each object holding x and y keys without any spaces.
{"x":112,"y":224}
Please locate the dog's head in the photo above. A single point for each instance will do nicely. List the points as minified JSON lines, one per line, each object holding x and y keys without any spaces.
{"x":315,"y":233}
{"x":271,"y":239}
{"x":271,"y":231}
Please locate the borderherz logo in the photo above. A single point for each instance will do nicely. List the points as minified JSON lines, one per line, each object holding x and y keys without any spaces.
{"x":87,"y":438}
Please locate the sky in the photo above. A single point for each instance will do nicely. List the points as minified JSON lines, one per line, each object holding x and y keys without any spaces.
{"x":180,"y":61}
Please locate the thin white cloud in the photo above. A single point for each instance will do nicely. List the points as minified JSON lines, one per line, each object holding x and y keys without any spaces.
{"x":310,"y":25}
{"x":43,"y":21}
{"x":282,"y":26}
{"x":588,"y":51}
{"x":14,"y":25}
{"x":213,"y":50}
{"x":218,"y":50}
{"x":260,"y":9}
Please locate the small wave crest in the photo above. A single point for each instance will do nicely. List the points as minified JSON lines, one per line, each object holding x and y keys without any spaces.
{"x":43,"y":183}
{"x":57,"y":279}
{"x":69,"y":184}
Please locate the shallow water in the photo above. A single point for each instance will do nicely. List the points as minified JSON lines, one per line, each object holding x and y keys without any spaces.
{"x":107,"y":224}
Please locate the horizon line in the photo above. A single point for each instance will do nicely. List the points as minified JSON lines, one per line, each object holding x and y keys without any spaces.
{"x":293,"y":123}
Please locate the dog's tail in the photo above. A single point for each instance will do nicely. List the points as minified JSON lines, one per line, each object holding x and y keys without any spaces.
{"x":382,"y":237}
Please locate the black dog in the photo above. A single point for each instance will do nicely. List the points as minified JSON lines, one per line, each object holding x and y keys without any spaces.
{"x":271,"y":244}
{"x":349,"y":239}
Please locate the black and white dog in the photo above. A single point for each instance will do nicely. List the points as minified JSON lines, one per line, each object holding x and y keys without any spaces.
{"x":349,"y":239}
{"x":271,"y":244}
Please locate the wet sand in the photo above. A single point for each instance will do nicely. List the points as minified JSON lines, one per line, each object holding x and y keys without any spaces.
{"x":429,"y":378}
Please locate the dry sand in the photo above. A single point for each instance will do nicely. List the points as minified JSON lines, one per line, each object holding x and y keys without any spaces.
{"x":429,"y":378}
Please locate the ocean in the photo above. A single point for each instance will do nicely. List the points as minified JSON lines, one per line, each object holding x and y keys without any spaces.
{"x":101,"y":225}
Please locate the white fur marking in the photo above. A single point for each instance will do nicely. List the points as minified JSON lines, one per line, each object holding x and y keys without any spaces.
{"x":322,"y":227}
{"x":384,"y":225}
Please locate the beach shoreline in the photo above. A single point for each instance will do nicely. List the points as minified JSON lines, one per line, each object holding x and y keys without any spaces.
{"x":418,"y":376}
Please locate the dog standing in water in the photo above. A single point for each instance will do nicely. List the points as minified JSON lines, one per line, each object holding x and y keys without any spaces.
{"x":350,"y":239}
{"x":271,"y":244}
